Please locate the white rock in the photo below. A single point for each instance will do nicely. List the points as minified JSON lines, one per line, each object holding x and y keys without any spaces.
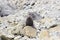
{"x":17,"y":38}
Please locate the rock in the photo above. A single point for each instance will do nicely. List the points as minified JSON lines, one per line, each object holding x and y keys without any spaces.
{"x":0,"y":38}
{"x":50,"y":34}
{"x":29,"y":31}
{"x":47,"y":38}
{"x":17,"y":29}
{"x":55,"y":32}
{"x":46,"y":20}
{"x":17,"y":38}
{"x":14,"y":23}
{"x":19,"y":10}
{"x":1,"y":19}
{"x":36,"y":24}
{"x":4,"y":38}
{"x":6,"y":33}
{"x":44,"y":34}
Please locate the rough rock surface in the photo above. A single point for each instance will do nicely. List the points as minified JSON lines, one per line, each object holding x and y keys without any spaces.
{"x":45,"y":14}
{"x":29,"y":31}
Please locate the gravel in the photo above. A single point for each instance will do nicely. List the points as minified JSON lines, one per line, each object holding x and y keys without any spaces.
{"x":44,"y":14}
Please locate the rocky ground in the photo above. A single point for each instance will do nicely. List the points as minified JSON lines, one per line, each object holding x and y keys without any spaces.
{"x":29,"y":19}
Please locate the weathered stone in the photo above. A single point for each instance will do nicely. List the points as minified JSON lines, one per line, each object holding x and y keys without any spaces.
{"x":17,"y":38}
{"x":29,"y":31}
{"x":46,"y":20}
{"x":4,"y":38}
{"x":43,"y":34}
{"x":17,"y":29}
{"x":55,"y":32}
{"x":50,"y":34}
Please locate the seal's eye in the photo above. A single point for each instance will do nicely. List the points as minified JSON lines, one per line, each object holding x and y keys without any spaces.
{"x":29,"y":21}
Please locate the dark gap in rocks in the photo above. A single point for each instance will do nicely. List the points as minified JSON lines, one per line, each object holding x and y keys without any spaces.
{"x":31,"y":37}
{"x":0,"y":23}
{"x":15,"y":34}
{"x":43,"y":17}
{"x":9,"y":22}
{"x":46,"y":27}
{"x":30,"y":7}
{"x":32,"y":4}
{"x":29,"y":22}
{"x":6,"y":27}
{"x":12,"y":38}
{"x":27,"y":4}
{"x":4,"y":38}
{"x":53,"y":26}
{"x":2,"y":15}
{"x":21,"y":35}
{"x":25,"y":39}
{"x":39,"y":29}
